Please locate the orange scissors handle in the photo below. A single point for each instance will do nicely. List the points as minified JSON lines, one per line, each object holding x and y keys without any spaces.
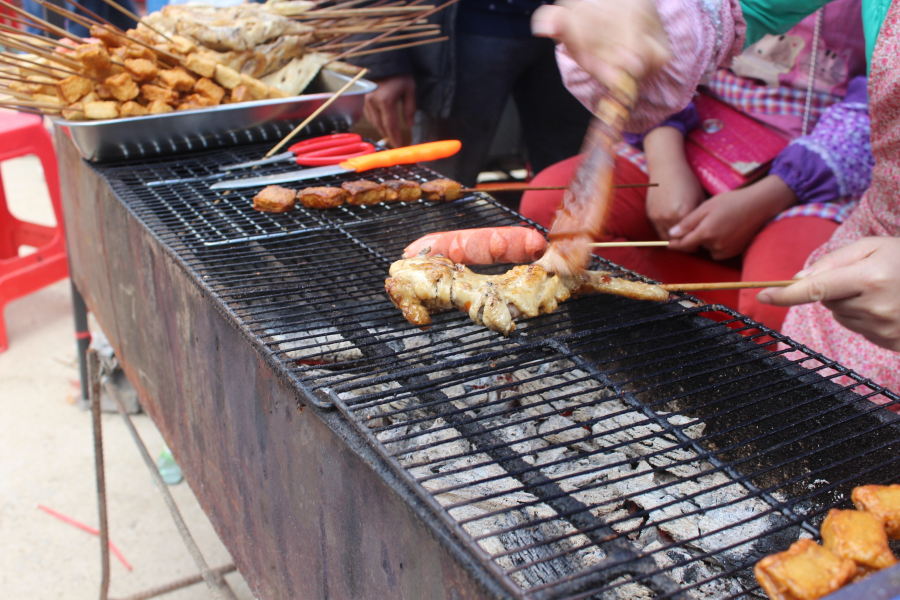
{"x":330,"y":149}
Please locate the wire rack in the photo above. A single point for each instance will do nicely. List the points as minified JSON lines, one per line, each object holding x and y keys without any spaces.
{"x":613,"y":449}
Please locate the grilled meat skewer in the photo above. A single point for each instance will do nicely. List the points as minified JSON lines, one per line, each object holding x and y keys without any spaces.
{"x":426,"y":285}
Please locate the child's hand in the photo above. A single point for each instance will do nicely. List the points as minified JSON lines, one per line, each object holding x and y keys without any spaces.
{"x":679,"y":190}
{"x":606,"y":37}
{"x":859,"y":284}
{"x":725,"y":224}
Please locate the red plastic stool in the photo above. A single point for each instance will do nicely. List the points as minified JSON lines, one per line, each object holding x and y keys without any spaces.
{"x":22,"y":134}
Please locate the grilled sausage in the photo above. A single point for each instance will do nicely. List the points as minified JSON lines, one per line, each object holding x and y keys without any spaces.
{"x":483,"y":246}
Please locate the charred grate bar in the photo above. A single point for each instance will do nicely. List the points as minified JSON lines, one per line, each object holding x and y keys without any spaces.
{"x":613,"y":449}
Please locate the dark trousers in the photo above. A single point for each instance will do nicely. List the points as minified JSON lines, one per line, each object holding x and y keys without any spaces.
{"x":489,"y":70}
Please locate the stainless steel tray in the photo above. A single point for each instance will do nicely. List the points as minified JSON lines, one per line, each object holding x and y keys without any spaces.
{"x":229,"y":124}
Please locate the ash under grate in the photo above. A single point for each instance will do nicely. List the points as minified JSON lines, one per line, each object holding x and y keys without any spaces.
{"x":614,"y":449}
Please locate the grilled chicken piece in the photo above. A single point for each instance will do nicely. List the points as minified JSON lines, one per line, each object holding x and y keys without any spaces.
{"x":275,"y":199}
{"x":439,"y":190}
{"x":859,"y":536}
{"x":363,"y":192}
{"x":322,"y":197}
{"x":883,"y":501}
{"x":425,"y":285}
{"x":805,"y":571}
{"x":401,"y":190}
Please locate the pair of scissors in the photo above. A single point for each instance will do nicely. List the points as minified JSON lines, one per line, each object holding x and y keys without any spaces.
{"x":316,"y":152}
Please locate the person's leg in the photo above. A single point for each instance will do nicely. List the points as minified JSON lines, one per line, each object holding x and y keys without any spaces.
{"x":778,"y":252}
{"x":553,"y":120}
{"x":485,"y":71}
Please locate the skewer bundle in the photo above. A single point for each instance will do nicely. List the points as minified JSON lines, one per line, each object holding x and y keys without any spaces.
{"x":189,"y":57}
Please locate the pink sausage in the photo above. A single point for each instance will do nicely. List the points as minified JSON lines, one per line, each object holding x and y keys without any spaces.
{"x":483,"y":246}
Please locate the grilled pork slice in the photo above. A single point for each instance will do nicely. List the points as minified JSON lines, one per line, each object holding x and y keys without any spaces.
{"x":363,"y":192}
{"x":860,"y":537}
{"x":439,"y":190}
{"x":275,"y":199}
{"x":401,"y":190}
{"x":322,"y":197}
{"x":425,"y":285}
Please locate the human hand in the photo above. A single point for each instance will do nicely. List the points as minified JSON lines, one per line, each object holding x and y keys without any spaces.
{"x":679,"y":191}
{"x":606,"y":37}
{"x":381,"y":106}
{"x":725,"y":224}
{"x":859,"y":284}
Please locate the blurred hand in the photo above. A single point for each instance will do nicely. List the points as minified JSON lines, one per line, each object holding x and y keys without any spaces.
{"x":606,"y":37}
{"x":679,"y":190}
{"x":382,"y":106}
{"x":725,"y":224}
{"x":859,"y":284}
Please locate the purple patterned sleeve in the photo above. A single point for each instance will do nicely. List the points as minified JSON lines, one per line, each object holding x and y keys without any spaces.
{"x":835,"y":160}
{"x":684,"y":120}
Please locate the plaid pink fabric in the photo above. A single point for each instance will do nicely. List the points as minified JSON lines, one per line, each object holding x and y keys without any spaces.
{"x":755,"y":99}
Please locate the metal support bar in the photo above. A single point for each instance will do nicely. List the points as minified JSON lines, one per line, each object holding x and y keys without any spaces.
{"x":82,"y":339}
{"x":93,"y":361}
{"x":218,"y":587}
{"x":184,"y":582}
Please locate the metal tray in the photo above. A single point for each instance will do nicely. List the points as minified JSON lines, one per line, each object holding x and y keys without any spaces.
{"x":229,"y":124}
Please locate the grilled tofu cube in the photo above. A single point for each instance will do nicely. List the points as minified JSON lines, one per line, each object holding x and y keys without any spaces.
{"x":159,"y":107}
{"x":206,"y":88}
{"x":201,"y":65}
{"x":241,"y":94}
{"x":111,"y":39}
{"x":101,"y":110}
{"x":182,"y":45}
{"x":275,"y":92}
{"x":194,"y":101}
{"x":322,"y":197}
{"x":227,"y":77}
{"x":401,"y":190}
{"x":275,"y":199}
{"x":122,"y":87}
{"x":75,"y":112}
{"x":804,"y":571}
{"x":94,"y":57}
{"x":859,"y":536}
{"x":138,"y":51}
{"x":48,"y":99}
{"x":177,"y":79}
{"x":258,"y":90}
{"x":883,"y":501}
{"x":91,"y":97}
{"x":132,"y":109}
{"x":362,"y":192}
{"x":153,"y":92}
{"x":439,"y":190}
{"x":103,"y":92}
{"x":141,"y":69}
{"x":73,"y":88}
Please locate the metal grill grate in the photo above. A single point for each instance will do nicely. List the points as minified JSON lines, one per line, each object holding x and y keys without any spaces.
{"x":613,"y":449}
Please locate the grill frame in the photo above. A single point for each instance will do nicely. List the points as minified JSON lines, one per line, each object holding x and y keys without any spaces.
{"x":185,"y":259}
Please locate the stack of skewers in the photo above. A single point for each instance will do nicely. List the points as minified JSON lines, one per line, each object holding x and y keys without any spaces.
{"x":192,"y":57}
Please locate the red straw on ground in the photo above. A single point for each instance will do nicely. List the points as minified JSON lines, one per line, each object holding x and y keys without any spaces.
{"x":87,"y":528}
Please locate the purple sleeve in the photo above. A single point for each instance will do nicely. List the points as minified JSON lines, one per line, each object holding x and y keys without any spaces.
{"x":835,"y":160}
{"x":684,"y":120}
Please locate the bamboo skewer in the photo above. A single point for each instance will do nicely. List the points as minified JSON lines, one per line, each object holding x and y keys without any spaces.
{"x":14,"y":93}
{"x":46,"y":25}
{"x":397,"y":47}
{"x":5,"y":77}
{"x":409,"y":36}
{"x":30,"y":111}
{"x":400,"y":27}
{"x":362,"y":12}
{"x":51,"y":55}
{"x":628,"y":244}
{"x":368,"y":29}
{"x":318,"y":111}
{"x":725,"y":285}
{"x":43,"y":70}
{"x":542,"y":188}
{"x":128,"y":13}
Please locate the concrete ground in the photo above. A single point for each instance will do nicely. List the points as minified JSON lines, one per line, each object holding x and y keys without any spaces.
{"x":46,"y":457}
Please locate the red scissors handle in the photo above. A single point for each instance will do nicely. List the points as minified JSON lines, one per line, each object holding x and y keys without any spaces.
{"x":330,"y":149}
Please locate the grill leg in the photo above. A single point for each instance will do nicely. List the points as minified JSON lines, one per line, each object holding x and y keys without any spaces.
{"x":94,"y":373}
{"x":82,"y":339}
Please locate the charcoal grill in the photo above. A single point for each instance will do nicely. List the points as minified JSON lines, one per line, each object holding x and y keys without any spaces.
{"x":613,"y":449}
